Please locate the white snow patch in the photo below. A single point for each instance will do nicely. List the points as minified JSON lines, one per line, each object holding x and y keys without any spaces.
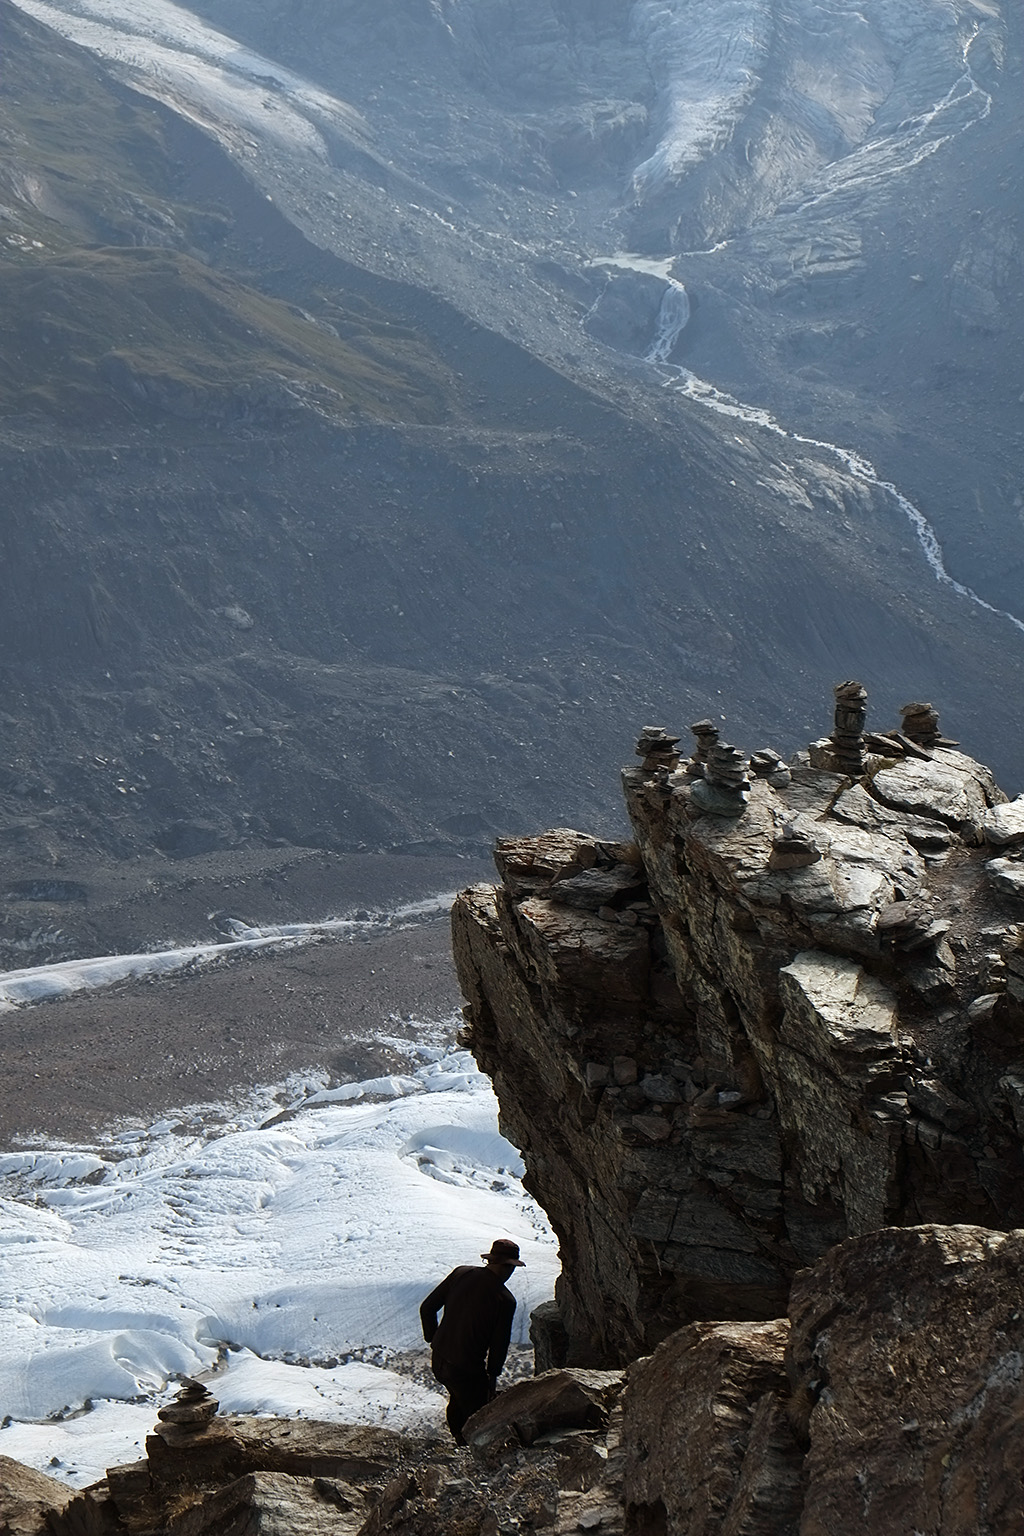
{"x":262,"y":1252}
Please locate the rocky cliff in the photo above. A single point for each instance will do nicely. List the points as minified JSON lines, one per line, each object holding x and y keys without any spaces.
{"x":788,"y":1014}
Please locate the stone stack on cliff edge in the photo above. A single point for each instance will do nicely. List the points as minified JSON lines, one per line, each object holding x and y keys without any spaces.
{"x":820,"y":1008}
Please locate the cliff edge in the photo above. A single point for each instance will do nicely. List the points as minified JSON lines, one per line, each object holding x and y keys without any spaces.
{"x":789,"y":1014}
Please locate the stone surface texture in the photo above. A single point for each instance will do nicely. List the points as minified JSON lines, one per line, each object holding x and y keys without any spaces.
{"x":541,"y":1406}
{"x":728,"y":1066}
{"x":228,"y":1474}
{"x":27,"y":1498}
{"x":710,"y":1398}
{"x":905,"y":1359}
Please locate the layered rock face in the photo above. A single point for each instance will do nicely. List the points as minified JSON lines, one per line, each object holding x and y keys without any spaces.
{"x":791,"y":1013}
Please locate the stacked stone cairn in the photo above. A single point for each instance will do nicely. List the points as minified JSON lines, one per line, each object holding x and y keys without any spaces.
{"x":767,"y":764}
{"x":706,"y":732}
{"x":657,"y":749}
{"x":921,"y":726}
{"x":191,"y":1411}
{"x":725,"y":787}
{"x":793,"y":847}
{"x":847,"y":738}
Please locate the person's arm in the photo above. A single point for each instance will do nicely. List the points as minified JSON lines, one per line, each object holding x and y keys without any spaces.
{"x":500,"y":1340}
{"x":431,"y":1307}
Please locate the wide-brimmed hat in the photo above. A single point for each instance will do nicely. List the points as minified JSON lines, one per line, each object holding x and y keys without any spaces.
{"x":504,"y":1251}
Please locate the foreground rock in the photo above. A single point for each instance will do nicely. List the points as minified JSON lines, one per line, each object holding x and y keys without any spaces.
{"x":706,"y":1434}
{"x":758,"y":1030}
{"x":905,"y":1361}
{"x":890,"y":1400}
{"x":208,"y":1475}
{"x":27,"y":1498}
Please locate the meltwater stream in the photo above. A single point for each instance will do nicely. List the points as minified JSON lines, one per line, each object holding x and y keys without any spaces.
{"x":688,"y":384}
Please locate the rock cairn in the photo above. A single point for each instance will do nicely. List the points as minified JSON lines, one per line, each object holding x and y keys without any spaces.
{"x":847,"y":738}
{"x":657,"y":749}
{"x":191,"y":1411}
{"x":725,"y":787}
{"x":793,"y":847}
{"x":920,"y":724}
{"x":767,"y":764}
{"x":706,"y":732}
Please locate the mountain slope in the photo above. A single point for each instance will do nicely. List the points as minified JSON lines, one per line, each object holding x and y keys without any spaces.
{"x":238,"y":608}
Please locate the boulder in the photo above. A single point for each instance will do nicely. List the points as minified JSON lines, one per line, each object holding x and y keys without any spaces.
{"x":1007,"y":876}
{"x":27,"y":1499}
{"x":706,"y":1442}
{"x":272,"y":1504}
{"x":951,"y":788}
{"x":1004,"y":823}
{"x":557,"y":1400}
{"x":906,"y":1362}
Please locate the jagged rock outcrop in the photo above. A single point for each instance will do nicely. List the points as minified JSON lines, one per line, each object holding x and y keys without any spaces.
{"x":890,"y":1401}
{"x":761,"y":1029}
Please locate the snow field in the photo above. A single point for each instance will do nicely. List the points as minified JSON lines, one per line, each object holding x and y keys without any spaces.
{"x":262,"y":1256}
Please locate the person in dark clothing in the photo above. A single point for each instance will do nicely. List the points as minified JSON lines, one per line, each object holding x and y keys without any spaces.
{"x":469,"y":1344}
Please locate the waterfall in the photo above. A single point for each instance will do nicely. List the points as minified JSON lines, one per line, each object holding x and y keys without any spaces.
{"x":673,"y":317}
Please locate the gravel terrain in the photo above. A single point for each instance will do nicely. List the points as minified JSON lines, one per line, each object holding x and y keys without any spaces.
{"x":150,"y":1048}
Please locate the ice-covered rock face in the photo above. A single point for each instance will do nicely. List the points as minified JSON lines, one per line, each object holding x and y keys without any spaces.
{"x":765,"y":101}
{"x":817,"y":99}
{"x":761,"y":101}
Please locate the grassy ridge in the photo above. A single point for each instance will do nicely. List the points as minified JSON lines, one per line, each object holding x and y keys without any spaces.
{"x":110,"y":307}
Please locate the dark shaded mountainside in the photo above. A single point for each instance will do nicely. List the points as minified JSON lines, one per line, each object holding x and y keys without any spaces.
{"x":295,"y":550}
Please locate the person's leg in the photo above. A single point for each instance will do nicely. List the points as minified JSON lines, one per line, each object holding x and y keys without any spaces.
{"x":467,"y":1391}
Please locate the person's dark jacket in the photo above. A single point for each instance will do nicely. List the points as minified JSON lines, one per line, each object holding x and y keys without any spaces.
{"x":476,"y":1327}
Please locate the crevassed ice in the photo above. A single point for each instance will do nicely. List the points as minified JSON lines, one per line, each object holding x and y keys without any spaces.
{"x":885,"y":75}
{"x":263,"y":1253}
{"x":706,"y":57}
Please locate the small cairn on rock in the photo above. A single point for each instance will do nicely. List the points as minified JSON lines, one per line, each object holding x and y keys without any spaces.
{"x":706,"y":732}
{"x":725,"y":787}
{"x":657,"y":749}
{"x":767,"y":764}
{"x":848,"y":736}
{"x":793,"y":847}
{"x":191,"y":1411}
{"x":920,"y":724}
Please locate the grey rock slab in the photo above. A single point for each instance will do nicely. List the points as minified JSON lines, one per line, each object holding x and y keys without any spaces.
{"x":1007,"y":875}
{"x":856,"y":806}
{"x":661,"y":1089}
{"x":1004,"y":824}
{"x":952,"y":788}
{"x":595,"y":888}
{"x":834,"y":1007}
